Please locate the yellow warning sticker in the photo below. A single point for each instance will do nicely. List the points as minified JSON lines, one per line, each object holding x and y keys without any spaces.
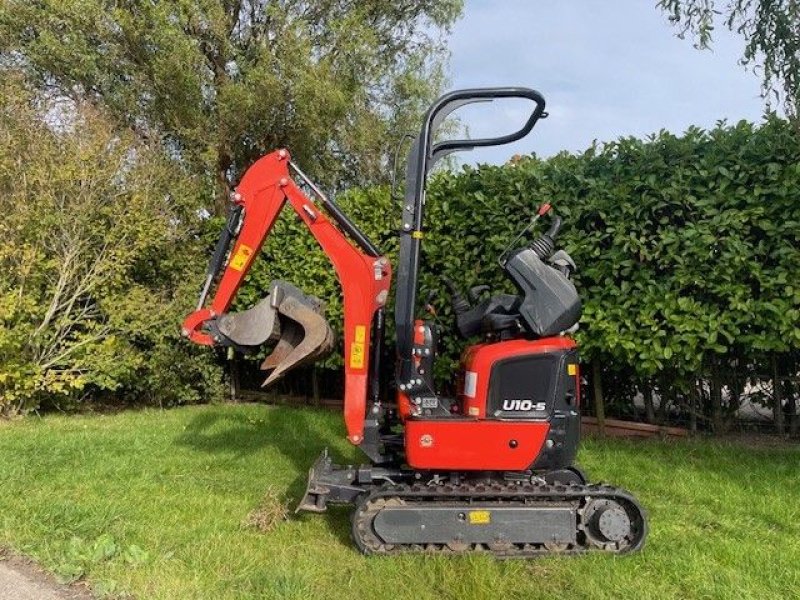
{"x":357,"y":347}
{"x":572,"y":369}
{"x":480,"y":517}
{"x":357,"y":355}
{"x":240,"y":257}
{"x":361,"y":333}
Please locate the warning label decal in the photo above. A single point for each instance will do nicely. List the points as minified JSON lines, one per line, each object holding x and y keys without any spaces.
{"x":241,"y":257}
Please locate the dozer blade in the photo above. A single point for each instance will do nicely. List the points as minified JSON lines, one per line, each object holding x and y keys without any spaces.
{"x":328,"y":483}
{"x":316,"y":495}
{"x":305,"y":334}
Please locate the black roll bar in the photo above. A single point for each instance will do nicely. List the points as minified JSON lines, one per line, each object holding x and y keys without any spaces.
{"x":423,"y":155}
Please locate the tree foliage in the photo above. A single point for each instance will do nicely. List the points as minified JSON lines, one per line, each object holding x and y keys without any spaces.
{"x":221,"y":82}
{"x":770,"y":27}
{"x":94,"y":248}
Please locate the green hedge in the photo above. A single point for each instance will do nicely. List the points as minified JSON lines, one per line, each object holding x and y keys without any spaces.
{"x":687,"y":246}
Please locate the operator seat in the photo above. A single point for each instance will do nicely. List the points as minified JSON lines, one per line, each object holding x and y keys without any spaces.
{"x":547,"y":304}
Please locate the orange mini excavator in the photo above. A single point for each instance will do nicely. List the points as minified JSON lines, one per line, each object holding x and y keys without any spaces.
{"x":491,"y":469}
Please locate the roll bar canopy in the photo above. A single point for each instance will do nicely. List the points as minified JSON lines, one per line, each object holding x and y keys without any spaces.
{"x":423,"y":156}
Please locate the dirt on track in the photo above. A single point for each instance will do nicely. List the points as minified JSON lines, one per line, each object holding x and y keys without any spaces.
{"x":23,"y":579}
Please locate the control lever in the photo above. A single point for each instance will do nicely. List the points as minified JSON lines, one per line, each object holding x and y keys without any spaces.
{"x":555,"y":227}
{"x":543,"y":210}
{"x":545,"y":244}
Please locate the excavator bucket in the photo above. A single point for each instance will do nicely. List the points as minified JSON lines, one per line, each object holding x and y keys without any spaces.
{"x":287,"y":317}
{"x":251,"y":327}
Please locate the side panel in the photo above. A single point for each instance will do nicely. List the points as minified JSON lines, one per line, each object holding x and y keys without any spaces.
{"x":478,"y":523}
{"x":473,"y":445}
{"x":479,"y":360}
{"x":561,"y":446}
{"x":524,"y":387}
{"x":528,"y":380}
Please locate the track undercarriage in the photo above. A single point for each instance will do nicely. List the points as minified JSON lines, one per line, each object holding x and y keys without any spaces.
{"x":508,"y":515}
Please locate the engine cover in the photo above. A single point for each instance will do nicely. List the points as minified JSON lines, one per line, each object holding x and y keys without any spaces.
{"x":550,"y":302}
{"x":528,"y":381}
{"x":519,"y":410}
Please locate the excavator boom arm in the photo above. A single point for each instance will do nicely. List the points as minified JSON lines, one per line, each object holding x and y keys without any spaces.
{"x":365,"y":275}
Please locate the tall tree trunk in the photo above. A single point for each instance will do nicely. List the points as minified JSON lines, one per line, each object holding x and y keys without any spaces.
{"x":224,"y":162}
{"x":599,"y":405}
{"x":649,"y":409}
{"x":777,"y":398}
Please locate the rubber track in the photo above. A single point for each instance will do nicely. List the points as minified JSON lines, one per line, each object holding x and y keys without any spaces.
{"x":504,"y":494}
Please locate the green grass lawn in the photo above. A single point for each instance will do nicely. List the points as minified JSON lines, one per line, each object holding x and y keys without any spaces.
{"x":152,"y":504}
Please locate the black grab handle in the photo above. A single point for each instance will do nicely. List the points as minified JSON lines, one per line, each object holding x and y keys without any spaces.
{"x":448,"y":103}
{"x":555,"y":227}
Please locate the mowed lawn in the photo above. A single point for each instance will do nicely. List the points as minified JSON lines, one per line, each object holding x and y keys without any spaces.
{"x":152,"y":503}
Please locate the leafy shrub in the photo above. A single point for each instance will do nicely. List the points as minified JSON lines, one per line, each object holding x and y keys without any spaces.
{"x":95,"y":248}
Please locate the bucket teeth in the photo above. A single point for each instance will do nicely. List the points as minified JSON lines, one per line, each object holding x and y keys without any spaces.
{"x":291,"y":335}
{"x":287,"y":316}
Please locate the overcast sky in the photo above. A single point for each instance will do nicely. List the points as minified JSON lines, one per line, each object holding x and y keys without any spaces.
{"x":606,"y":68}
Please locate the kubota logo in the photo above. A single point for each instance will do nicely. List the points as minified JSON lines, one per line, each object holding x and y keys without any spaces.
{"x":524,"y":405}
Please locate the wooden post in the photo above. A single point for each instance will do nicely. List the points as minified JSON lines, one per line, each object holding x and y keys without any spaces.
{"x":315,"y":385}
{"x":647,"y":392}
{"x":791,"y":400}
{"x":693,"y":404}
{"x":715,"y":394}
{"x":666,"y":398}
{"x":599,"y":406}
{"x":777,"y":406}
{"x":233,"y":375}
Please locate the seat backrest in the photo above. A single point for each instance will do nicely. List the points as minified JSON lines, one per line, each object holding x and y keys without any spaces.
{"x":550,"y":303}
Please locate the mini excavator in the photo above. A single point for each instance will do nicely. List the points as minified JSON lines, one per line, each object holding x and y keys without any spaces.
{"x":490,"y":469}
